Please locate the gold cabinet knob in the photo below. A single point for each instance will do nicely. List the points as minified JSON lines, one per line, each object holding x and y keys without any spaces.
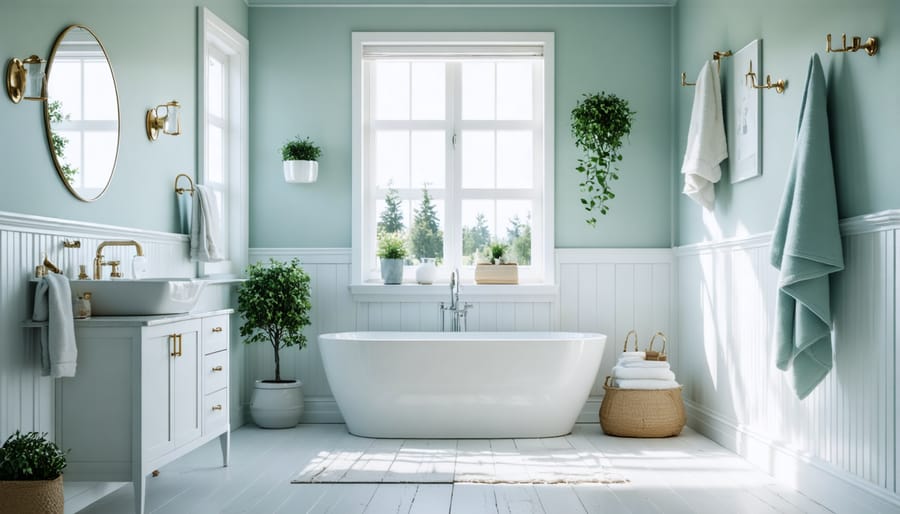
{"x":217,"y":329}
{"x":217,"y":407}
{"x":217,"y":368}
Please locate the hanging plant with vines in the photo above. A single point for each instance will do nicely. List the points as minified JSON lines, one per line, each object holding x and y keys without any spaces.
{"x":599,"y":123}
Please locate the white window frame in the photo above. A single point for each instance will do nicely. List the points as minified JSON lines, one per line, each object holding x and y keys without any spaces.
{"x":543,"y":265}
{"x":215,"y":33}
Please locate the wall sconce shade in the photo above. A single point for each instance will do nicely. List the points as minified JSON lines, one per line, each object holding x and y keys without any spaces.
{"x":26,"y":80}
{"x":165,"y":118}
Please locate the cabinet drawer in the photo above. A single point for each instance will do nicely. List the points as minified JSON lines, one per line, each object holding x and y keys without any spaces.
{"x":215,"y":333}
{"x":215,"y":411}
{"x":215,"y":371}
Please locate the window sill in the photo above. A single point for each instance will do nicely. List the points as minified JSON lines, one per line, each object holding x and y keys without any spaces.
{"x":467,"y":293}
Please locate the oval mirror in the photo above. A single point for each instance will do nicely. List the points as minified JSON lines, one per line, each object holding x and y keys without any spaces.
{"x":82,"y":113}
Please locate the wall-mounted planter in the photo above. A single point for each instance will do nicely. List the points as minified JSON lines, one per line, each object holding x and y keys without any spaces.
{"x":301,"y":172}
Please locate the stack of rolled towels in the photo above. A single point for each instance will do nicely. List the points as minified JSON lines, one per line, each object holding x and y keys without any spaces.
{"x":633,"y":372}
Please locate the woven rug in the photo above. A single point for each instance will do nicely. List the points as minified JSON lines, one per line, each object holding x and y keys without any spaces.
{"x":448,"y":462}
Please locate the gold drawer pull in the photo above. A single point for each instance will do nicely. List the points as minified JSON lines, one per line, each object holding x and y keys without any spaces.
{"x":217,"y":407}
{"x":217,"y":368}
{"x":217,"y":329}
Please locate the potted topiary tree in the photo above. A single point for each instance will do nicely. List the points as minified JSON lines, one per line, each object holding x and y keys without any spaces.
{"x":392,"y":252}
{"x":31,"y":479}
{"x":598,"y":124}
{"x":274,"y":303}
{"x":300,"y":160}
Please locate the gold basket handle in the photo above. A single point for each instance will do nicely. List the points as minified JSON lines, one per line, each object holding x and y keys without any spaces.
{"x":629,"y":334}
{"x":660,"y":355}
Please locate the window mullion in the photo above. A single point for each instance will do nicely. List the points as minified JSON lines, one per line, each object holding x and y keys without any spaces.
{"x":453,"y":206}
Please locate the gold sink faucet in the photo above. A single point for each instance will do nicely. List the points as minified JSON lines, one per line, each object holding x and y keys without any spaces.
{"x":98,"y":260}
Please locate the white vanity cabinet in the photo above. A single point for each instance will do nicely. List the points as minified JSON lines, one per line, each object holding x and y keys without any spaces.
{"x":147,"y":390}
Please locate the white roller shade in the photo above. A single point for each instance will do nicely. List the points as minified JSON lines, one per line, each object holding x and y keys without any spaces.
{"x":451,"y":51}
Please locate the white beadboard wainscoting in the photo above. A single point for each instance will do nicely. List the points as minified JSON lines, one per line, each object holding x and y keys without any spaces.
{"x":600,"y":290}
{"x":26,"y":398}
{"x":839,"y":445}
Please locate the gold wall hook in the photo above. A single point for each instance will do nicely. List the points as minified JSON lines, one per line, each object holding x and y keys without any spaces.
{"x":71,"y":244}
{"x":778,"y":86}
{"x":181,"y":190}
{"x":684,"y":82}
{"x":870,"y":46}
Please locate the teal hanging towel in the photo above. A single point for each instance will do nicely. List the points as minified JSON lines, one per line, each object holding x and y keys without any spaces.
{"x":806,"y":246}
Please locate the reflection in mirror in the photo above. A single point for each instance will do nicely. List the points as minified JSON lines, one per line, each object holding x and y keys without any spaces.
{"x":82,"y":113}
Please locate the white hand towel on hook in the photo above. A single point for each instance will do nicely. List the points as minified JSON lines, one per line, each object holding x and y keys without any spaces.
{"x":205,"y":227}
{"x":706,"y":145}
{"x":53,"y":304}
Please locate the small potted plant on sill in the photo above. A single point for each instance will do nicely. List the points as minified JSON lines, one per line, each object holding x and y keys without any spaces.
{"x":31,"y":478}
{"x":392,"y":253}
{"x":275,"y":305}
{"x":300,"y":160}
{"x":496,"y":270}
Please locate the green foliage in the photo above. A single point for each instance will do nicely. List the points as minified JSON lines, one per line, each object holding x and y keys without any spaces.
{"x":497,"y":250}
{"x":392,"y":217}
{"x":477,"y":237}
{"x":519,"y":236}
{"x":54,"y":112}
{"x":30,"y":456}
{"x":391,"y":245}
{"x":598,"y":124}
{"x":275,"y":305}
{"x":300,"y":150}
{"x":426,"y":236}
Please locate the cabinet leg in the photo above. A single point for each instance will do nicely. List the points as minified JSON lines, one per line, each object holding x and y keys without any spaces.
{"x":225,"y":443}
{"x":140,"y":493}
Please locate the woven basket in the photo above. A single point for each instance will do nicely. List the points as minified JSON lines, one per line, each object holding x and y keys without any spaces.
{"x":32,"y":496}
{"x":641,"y":412}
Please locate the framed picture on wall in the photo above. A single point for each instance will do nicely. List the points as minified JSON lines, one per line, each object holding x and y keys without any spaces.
{"x":744,"y":141}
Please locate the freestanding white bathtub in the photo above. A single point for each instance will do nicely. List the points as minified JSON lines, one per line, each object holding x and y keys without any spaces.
{"x":461,"y":385}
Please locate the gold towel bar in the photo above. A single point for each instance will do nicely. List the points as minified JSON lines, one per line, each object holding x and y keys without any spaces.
{"x":717,"y":56}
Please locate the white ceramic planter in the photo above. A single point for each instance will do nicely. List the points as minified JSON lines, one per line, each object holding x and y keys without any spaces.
{"x":301,"y":172}
{"x":277,"y":405}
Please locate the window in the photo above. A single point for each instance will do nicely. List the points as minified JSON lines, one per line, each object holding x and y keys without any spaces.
{"x":451,"y":149}
{"x":223,"y":70}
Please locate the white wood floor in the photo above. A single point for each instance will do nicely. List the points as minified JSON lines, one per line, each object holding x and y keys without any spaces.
{"x":684,"y":474}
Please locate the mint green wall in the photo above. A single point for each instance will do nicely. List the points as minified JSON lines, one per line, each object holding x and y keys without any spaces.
{"x":300,"y":84}
{"x":864,"y":106}
{"x":152,"y":47}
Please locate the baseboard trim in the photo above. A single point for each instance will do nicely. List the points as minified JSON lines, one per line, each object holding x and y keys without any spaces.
{"x":834,"y":488}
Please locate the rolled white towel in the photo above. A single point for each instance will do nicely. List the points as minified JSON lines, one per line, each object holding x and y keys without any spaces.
{"x":644,"y":364}
{"x":631,"y":356}
{"x":646,"y":384}
{"x":643,"y":373}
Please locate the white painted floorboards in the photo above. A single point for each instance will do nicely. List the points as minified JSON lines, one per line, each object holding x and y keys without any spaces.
{"x":684,"y":474}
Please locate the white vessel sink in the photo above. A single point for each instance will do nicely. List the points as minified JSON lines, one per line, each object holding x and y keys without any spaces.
{"x":144,"y":297}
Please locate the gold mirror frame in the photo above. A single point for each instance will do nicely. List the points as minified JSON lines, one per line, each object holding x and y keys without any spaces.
{"x":48,"y":126}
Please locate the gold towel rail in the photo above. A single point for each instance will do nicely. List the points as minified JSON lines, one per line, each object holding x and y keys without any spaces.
{"x":717,"y":56}
{"x":180,"y":190}
{"x":778,"y":86}
{"x":870,"y":46}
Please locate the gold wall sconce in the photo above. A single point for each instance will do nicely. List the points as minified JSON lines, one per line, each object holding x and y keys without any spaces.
{"x":778,"y":86}
{"x":26,"y":79}
{"x":870,"y":46}
{"x":165,"y":118}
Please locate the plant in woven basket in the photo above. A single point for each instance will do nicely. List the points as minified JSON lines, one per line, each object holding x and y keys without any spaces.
{"x":30,"y":456}
{"x":599,"y":123}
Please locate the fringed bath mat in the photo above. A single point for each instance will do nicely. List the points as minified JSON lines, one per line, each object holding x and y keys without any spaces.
{"x":506,"y":461}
